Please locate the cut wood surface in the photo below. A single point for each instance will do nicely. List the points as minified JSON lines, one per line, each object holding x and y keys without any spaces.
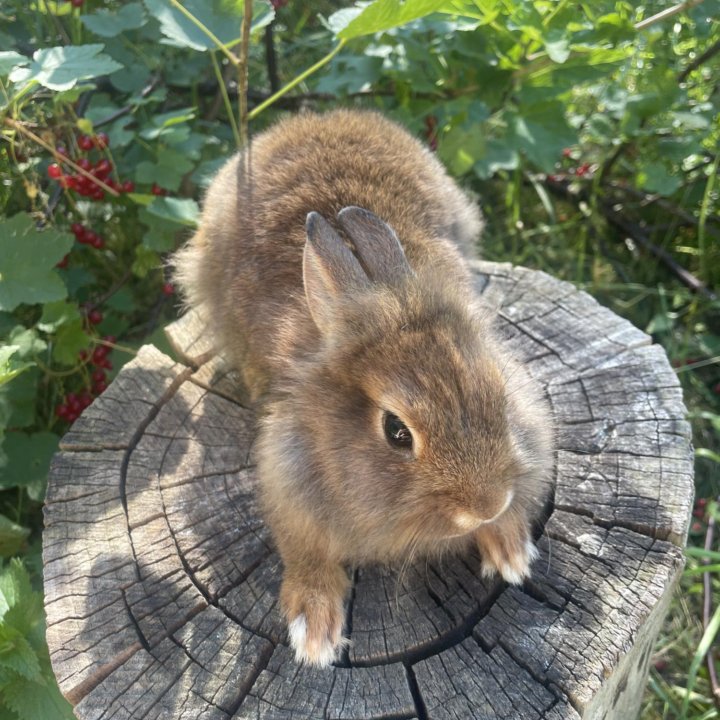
{"x":161,"y":580}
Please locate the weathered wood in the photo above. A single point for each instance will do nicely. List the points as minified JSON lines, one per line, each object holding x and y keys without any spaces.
{"x":161,"y":580}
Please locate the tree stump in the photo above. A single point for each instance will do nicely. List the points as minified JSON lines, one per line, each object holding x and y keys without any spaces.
{"x":161,"y":580}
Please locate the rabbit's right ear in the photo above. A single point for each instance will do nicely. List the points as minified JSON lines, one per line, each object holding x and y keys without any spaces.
{"x":330,"y":271}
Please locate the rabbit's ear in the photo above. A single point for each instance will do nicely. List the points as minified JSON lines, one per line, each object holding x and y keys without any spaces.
{"x":330,"y":271}
{"x":376,"y":245}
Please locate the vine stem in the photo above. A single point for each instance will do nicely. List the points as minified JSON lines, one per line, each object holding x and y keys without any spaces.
{"x":225,"y":98}
{"x":668,"y":12}
{"x":59,"y":158}
{"x":243,"y":72}
{"x":201,"y":26}
{"x":297,"y":80}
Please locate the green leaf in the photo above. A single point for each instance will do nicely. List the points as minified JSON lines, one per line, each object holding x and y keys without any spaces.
{"x":557,"y":46}
{"x":56,"y":314}
{"x":28,"y":341}
{"x":221,"y":18}
{"x":20,"y":606}
{"x":145,"y":261}
{"x":161,"y":233}
{"x":107,"y":23}
{"x":60,"y":68}
{"x":496,"y":156}
{"x":17,"y":654}
{"x":167,"y":172}
{"x":656,"y":177}
{"x":382,"y":15}
{"x":18,"y":400}
{"x":541,"y":132}
{"x":28,"y":460}
{"x":37,"y":699}
{"x":27,"y":261}
{"x":12,"y":536}
{"x":11,"y":367}
{"x":10,"y":59}
{"x":70,"y":339}
{"x":460,"y":148}
{"x":183,"y":211}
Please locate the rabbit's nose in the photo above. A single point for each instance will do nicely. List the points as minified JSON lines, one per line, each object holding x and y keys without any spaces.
{"x":468,"y":521}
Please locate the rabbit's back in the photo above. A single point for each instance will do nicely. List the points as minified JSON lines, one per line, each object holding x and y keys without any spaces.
{"x":243,"y":268}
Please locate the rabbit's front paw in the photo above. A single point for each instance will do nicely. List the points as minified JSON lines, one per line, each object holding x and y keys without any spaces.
{"x":506,"y":548}
{"x":315,"y":623}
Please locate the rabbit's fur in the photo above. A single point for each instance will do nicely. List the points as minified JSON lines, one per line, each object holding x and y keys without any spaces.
{"x":337,"y":328}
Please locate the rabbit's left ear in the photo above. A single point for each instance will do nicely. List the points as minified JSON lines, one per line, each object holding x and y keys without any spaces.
{"x":376,"y":245}
{"x":330,"y":273}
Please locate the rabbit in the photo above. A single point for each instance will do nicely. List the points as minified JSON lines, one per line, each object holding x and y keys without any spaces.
{"x":331,"y":267}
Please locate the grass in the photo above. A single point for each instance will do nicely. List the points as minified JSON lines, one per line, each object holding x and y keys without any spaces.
{"x":569,"y":240}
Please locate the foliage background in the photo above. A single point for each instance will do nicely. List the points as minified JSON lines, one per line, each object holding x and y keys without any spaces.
{"x":589,"y":132}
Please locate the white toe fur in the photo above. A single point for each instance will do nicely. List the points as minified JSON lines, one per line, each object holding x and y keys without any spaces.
{"x":322,"y":656}
{"x":297,"y":630}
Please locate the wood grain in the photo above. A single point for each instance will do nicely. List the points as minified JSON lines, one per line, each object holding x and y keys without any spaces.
{"x":161,"y":579}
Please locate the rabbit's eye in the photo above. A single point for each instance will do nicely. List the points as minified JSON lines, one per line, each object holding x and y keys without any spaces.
{"x":396,"y":431}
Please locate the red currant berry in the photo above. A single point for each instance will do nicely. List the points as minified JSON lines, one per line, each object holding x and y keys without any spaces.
{"x":62,"y":410}
{"x":98,"y":376}
{"x":77,"y":229}
{"x":54,"y":171}
{"x":83,"y":356}
{"x":61,"y":150}
{"x":77,"y":3}
{"x":98,"y":193}
{"x":102,"y":140}
{"x":95,"y":317}
{"x":110,"y":339}
{"x":168,"y":289}
{"x":64,"y":262}
{"x":98,"y":243}
{"x":99,"y":388}
{"x":89,"y":237}
{"x":103,"y":167}
{"x":128,"y":186}
{"x":85,"y":143}
{"x":105,"y":363}
{"x":85,"y":399}
{"x":99,"y":354}
{"x":567,"y":152}
{"x":73,"y":402}
{"x":157,"y":190}
{"x":85,"y":164}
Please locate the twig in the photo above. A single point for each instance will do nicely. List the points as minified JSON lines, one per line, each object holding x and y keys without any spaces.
{"x":660,"y":201}
{"x":668,"y":12}
{"x":59,"y":158}
{"x":243,"y":71}
{"x":707,"y":609}
{"x":297,"y":80}
{"x":271,"y":59}
{"x":638,"y":234}
{"x":699,"y":60}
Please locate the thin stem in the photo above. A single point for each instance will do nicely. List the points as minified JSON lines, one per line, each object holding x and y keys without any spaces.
{"x":704,"y":212}
{"x":201,"y":26}
{"x":226,"y":98}
{"x":59,"y":158}
{"x":708,"y":610}
{"x":243,"y":72}
{"x":296,"y":81}
{"x":668,"y":12}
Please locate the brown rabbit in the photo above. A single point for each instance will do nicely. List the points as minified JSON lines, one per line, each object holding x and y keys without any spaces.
{"x":333,"y":277}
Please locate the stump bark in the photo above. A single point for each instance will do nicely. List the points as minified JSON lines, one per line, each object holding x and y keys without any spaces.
{"x":161,"y":581}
